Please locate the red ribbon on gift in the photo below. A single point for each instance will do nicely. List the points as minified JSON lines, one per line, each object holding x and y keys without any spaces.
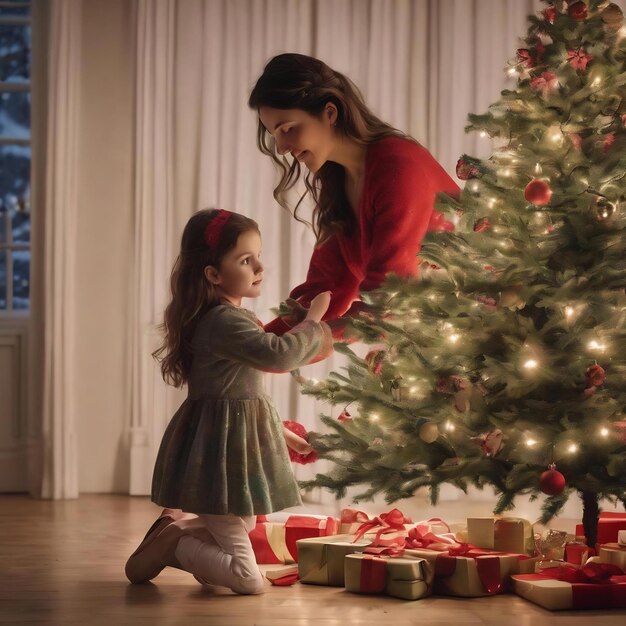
{"x":596,"y":573}
{"x":386,"y":547}
{"x":487,"y":566}
{"x":389,"y":522}
{"x":594,"y":586}
{"x":373,"y":574}
{"x":352,"y":516}
{"x":422,"y":536}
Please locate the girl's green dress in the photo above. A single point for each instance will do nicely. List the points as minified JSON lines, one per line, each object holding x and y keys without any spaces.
{"x":224,"y":451}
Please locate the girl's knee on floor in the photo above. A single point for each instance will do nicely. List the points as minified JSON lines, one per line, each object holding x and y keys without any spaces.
{"x":249,"y":585}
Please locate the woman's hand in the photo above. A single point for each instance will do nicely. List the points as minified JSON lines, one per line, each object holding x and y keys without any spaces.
{"x":296,"y":443}
{"x":319,"y":306}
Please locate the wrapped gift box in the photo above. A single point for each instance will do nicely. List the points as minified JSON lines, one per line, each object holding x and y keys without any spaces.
{"x":609,"y":526}
{"x":613,"y":553}
{"x":503,"y":534}
{"x":275,"y":542}
{"x":578,"y":553}
{"x":550,"y":589}
{"x":321,"y":559}
{"x":478,"y":573}
{"x":409,"y":579}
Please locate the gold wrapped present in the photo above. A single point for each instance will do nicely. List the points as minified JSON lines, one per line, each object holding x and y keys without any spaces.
{"x":472,"y":573}
{"x":409,"y":579}
{"x":320,"y":559}
{"x":503,"y":534}
{"x":595,"y":586}
{"x":613,"y":553}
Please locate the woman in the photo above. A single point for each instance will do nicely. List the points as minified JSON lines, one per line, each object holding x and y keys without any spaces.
{"x":374,"y":187}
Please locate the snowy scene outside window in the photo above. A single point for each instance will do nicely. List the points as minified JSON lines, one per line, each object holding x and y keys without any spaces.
{"x":15,"y":155}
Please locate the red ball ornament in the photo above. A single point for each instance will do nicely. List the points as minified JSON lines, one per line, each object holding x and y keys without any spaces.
{"x":538,"y":192}
{"x":344,"y":416}
{"x":577,"y":11}
{"x":552,"y":482}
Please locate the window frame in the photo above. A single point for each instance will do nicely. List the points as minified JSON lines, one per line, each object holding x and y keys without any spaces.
{"x":8,"y":246}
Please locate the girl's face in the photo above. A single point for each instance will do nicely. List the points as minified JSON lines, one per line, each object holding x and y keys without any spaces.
{"x":309,"y":139}
{"x":241,"y":272}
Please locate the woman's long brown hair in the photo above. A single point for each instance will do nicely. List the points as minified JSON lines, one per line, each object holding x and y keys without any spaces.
{"x":192,"y":294}
{"x":296,"y":81}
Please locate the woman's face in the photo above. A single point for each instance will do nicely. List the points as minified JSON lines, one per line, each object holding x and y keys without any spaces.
{"x":309,"y":139}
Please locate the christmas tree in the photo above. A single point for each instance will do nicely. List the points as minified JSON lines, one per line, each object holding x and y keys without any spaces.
{"x":504,"y":363}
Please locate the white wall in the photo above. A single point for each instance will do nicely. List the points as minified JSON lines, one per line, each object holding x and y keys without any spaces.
{"x":104,"y":252}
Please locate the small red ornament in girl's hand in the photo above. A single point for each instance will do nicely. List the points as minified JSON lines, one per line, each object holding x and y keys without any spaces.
{"x":297,"y":440}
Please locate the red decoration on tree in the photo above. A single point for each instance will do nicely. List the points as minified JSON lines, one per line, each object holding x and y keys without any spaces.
{"x":374,"y":360}
{"x":578,"y":59}
{"x":545,"y":83}
{"x":608,"y":141}
{"x":482,"y":225}
{"x":549,"y":14}
{"x":538,"y":192}
{"x":577,"y":11}
{"x":595,"y":375}
{"x":344,"y":417}
{"x":552,"y":482}
{"x":466,"y":170}
{"x":300,"y":430}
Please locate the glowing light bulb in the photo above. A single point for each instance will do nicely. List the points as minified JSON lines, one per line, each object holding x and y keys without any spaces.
{"x":596,"y":81}
{"x":474,"y":186}
{"x":453,"y":338}
{"x":569,"y":311}
{"x":530,"y":442}
{"x":572,"y":448}
{"x":604,"y":432}
{"x":506,"y":172}
{"x":531,"y":364}
{"x":595,"y":345}
{"x":482,"y":134}
{"x":538,"y":169}
{"x":512,"y":72}
{"x":414,"y":390}
{"x":450,"y":426}
{"x":492,"y":203}
{"x":374,"y":417}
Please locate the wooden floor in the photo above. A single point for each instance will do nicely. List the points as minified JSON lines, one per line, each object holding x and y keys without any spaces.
{"x":63,"y":563}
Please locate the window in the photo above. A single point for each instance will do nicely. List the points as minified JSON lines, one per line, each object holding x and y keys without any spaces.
{"x":15,"y":155}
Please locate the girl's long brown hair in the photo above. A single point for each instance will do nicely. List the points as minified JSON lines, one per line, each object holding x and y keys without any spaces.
{"x":192,"y":294}
{"x":296,"y":81}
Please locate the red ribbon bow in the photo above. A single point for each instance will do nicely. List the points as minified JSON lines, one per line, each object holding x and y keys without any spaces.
{"x":389,"y":522}
{"x":597,"y":573}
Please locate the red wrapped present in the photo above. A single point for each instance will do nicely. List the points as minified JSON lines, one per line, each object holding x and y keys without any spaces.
{"x":593,"y":586}
{"x":609,"y":525}
{"x":578,"y":553}
{"x":275,"y":542}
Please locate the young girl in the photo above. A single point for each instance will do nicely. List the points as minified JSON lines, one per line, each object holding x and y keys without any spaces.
{"x":223,"y":456}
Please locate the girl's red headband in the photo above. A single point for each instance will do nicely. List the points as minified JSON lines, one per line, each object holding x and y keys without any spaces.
{"x":214,"y":228}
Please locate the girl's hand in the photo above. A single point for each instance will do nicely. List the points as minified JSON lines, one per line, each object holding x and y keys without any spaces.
{"x":319,"y":306}
{"x":292,"y":312}
{"x":296,"y":443}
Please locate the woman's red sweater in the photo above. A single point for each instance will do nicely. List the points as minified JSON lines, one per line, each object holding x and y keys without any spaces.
{"x":395,"y":210}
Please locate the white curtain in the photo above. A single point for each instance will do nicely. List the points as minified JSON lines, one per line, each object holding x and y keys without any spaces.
{"x":421,"y":64}
{"x":55,"y":472}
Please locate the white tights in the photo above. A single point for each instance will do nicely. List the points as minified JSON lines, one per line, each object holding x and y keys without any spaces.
{"x":228,"y":560}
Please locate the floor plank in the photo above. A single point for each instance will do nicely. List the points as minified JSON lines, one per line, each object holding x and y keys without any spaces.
{"x":63,"y":563}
